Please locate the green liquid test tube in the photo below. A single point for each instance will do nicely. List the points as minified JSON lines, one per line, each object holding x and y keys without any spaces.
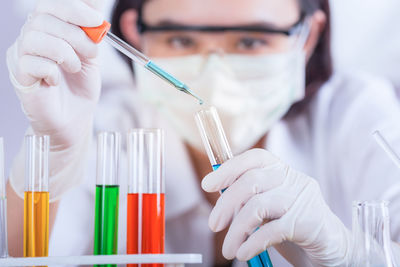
{"x":107,"y":195}
{"x":219,"y":151}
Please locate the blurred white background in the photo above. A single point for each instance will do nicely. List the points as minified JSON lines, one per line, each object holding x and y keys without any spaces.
{"x":366,"y":36}
{"x":12,"y":120}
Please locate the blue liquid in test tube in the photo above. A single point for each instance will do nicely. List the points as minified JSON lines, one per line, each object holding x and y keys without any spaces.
{"x":261,"y":259}
{"x":218,"y":152}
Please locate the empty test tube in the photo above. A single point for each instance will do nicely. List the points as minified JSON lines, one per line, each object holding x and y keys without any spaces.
{"x":213,"y":136}
{"x":3,"y":206}
{"x":218,"y":151}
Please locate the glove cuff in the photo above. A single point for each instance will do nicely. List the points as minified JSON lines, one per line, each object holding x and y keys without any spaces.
{"x":338,"y":248}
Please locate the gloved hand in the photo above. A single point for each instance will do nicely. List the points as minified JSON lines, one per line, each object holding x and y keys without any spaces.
{"x":287,"y":205}
{"x":53,"y":68}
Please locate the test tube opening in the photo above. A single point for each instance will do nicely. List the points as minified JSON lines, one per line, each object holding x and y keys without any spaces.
{"x":146,"y":161}
{"x":108,"y":152}
{"x":213,"y":135}
{"x":37,"y":163}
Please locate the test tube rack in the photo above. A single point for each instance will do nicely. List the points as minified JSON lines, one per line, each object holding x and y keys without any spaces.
{"x":171,"y":260}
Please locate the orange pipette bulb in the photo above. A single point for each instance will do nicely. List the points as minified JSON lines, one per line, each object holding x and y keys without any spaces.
{"x":96,"y":34}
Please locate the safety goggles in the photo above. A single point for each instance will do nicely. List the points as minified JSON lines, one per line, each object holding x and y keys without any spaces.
{"x":177,"y":39}
{"x":144,"y":27}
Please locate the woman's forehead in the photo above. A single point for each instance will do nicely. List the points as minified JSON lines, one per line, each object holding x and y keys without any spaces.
{"x":280,"y":13}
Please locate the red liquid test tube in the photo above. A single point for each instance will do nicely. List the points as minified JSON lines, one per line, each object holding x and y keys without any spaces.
{"x":146,"y":198}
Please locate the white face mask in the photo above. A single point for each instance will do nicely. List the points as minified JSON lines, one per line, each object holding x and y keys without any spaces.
{"x":251,"y":93}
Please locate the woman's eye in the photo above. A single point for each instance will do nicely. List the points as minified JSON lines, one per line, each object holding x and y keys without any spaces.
{"x":181,"y":42}
{"x":249,"y":43}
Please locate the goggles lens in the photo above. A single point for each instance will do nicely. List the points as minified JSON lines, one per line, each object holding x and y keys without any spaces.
{"x":180,"y":40}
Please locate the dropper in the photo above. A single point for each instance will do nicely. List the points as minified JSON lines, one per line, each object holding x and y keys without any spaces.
{"x":97,"y":34}
{"x":384,"y":144}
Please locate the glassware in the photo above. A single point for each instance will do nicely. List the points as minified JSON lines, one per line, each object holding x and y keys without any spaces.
{"x":107,"y":195}
{"x":371,"y":233}
{"x":146,"y":193}
{"x":219,"y":151}
{"x":36,"y":196}
{"x":3,"y":206}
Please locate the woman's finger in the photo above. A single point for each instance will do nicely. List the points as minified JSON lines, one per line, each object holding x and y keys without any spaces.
{"x":232,"y":169}
{"x":253,"y":182}
{"x":44,"y":45}
{"x":260,"y":208}
{"x":70,"y":33}
{"x":76,"y":12}
{"x":33,"y":68}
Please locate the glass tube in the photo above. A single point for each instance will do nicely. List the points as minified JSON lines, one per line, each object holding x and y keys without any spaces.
{"x":107,"y":195}
{"x":372,"y":234}
{"x":218,"y":151}
{"x":213,"y":136}
{"x":3,"y":206}
{"x":146,"y":193}
{"x":36,"y":196}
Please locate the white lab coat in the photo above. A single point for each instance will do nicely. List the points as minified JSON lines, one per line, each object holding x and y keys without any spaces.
{"x":331,"y":142}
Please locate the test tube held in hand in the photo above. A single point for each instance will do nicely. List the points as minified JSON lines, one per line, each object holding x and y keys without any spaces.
{"x":107,"y":195}
{"x":213,"y":136}
{"x":146,"y":198}
{"x":36,"y":196}
{"x":3,"y":206}
{"x":218,"y":151}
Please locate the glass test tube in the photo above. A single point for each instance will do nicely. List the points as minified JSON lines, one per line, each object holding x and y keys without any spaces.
{"x":107,"y":195}
{"x":3,"y":206}
{"x":371,"y":230}
{"x":36,"y":196}
{"x":146,"y":188}
{"x":218,"y":151}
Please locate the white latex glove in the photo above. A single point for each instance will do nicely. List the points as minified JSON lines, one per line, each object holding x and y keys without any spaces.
{"x":287,"y":205}
{"x":53,"y":68}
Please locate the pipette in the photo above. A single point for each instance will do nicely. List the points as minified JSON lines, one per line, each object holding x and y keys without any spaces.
{"x":97,"y":34}
{"x":384,"y":144}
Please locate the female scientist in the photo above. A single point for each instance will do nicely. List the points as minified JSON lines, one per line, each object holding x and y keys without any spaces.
{"x":266,"y":66}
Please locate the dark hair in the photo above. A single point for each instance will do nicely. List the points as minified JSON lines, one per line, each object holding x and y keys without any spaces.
{"x":319,"y":67}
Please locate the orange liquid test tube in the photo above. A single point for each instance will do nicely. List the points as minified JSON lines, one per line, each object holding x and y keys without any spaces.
{"x":36,"y":226}
{"x":146,"y":198}
{"x":36,"y":197}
